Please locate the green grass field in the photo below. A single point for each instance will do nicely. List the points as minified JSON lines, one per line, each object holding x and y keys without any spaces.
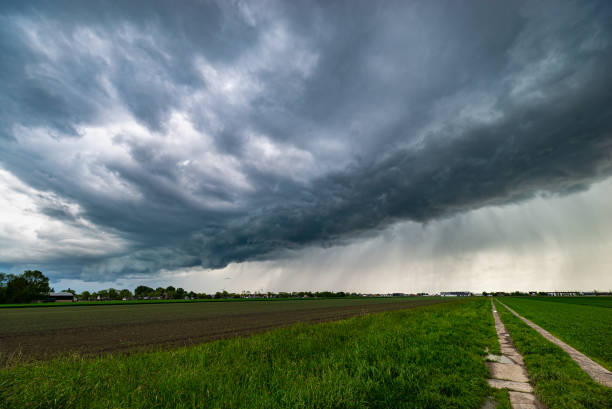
{"x":600,"y":301}
{"x":426,"y":357}
{"x":559,"y":382}
{"x":588,"y":328}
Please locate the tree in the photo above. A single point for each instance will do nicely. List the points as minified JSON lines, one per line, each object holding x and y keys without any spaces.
{"x":223,"y":294}
{"x":143,"y":291}
{"x":37,"y":284}
{"x":17,"y":289}
{"x":3,"y":281}
{"x":113,"y":294}
{"x":29,"y":286}
{"x":69,"y":290}
{"x":180,"y":293}
{"x":170,"y":292}
{"x":85,"y":295}
{"x":125,"y":293}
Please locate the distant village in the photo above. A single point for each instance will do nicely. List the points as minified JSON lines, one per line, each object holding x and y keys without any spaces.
{"x":171,"y":293}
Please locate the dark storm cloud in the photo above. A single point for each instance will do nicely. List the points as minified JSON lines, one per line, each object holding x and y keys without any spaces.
{"x":561,"y":151}
{"x":299,"y":124}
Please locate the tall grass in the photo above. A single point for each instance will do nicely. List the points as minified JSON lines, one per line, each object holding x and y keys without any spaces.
{"x":430,"y":357}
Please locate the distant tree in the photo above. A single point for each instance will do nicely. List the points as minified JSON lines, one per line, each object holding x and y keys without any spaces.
{"x":17,"y":289}
{"x":169,"y":292}
{"x":180,"y":293}
{"x":29,"y":286}
{"x":3,"y":281}
{"x":159,"y":292}
{"x":485,"y":293}
{"x":143,"y":291}
{"x":223,"y":294}
{"x":103,"y":294}
{"x":37,"y":284}
{"x":85,"y":295}
{"x":69,"y":290}
{"x":125,"y":293}
{"x":113,"y":294}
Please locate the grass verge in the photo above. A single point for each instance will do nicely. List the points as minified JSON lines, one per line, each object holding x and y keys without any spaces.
{"x":558,"y":381}
{"x":430,"y":357}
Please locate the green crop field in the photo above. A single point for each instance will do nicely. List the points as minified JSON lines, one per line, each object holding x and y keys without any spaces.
{"x":426,"y":357}
{"x":600,"y":301}
{"x":587,"y":328}
{"x":558,"y":381}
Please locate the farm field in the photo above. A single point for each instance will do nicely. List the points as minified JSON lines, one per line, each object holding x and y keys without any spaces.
{"x":40,"y":333}
{"x":181,"y":301}
{"x":429,"y":357}
{"x":558,"y":381}
{"x":586,"y":328}
{"x":600,"y":301}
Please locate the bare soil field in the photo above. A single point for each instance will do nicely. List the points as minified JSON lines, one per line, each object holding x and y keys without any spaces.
{"x":42,"y":333}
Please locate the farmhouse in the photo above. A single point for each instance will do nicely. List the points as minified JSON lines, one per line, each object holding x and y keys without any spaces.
{"x":60,"y":297}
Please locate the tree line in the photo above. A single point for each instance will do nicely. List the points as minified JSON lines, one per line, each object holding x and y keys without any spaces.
{"x":30,"y":286}
{"x":33,"y":286}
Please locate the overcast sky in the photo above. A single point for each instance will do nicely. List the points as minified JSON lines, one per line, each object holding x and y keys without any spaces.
{"x":362,"y":146}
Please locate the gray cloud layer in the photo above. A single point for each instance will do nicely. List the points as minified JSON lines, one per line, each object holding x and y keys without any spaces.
{"x":204,"y":134}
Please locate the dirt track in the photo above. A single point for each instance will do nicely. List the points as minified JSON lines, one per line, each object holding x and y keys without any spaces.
{"x":183,"y":329}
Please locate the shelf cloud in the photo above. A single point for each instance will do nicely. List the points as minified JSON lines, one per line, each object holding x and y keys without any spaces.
{"x":149,"y":136}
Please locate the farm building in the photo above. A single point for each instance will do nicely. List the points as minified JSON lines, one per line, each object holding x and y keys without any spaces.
{"x":563,"y":294}
{"x":455,"y":293}
{"x":60,"y":297}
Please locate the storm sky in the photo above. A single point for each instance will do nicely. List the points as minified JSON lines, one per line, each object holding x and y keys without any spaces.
{"x":302,"y":145}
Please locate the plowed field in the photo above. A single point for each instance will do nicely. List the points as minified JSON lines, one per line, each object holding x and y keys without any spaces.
{"x":40,"y":333}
